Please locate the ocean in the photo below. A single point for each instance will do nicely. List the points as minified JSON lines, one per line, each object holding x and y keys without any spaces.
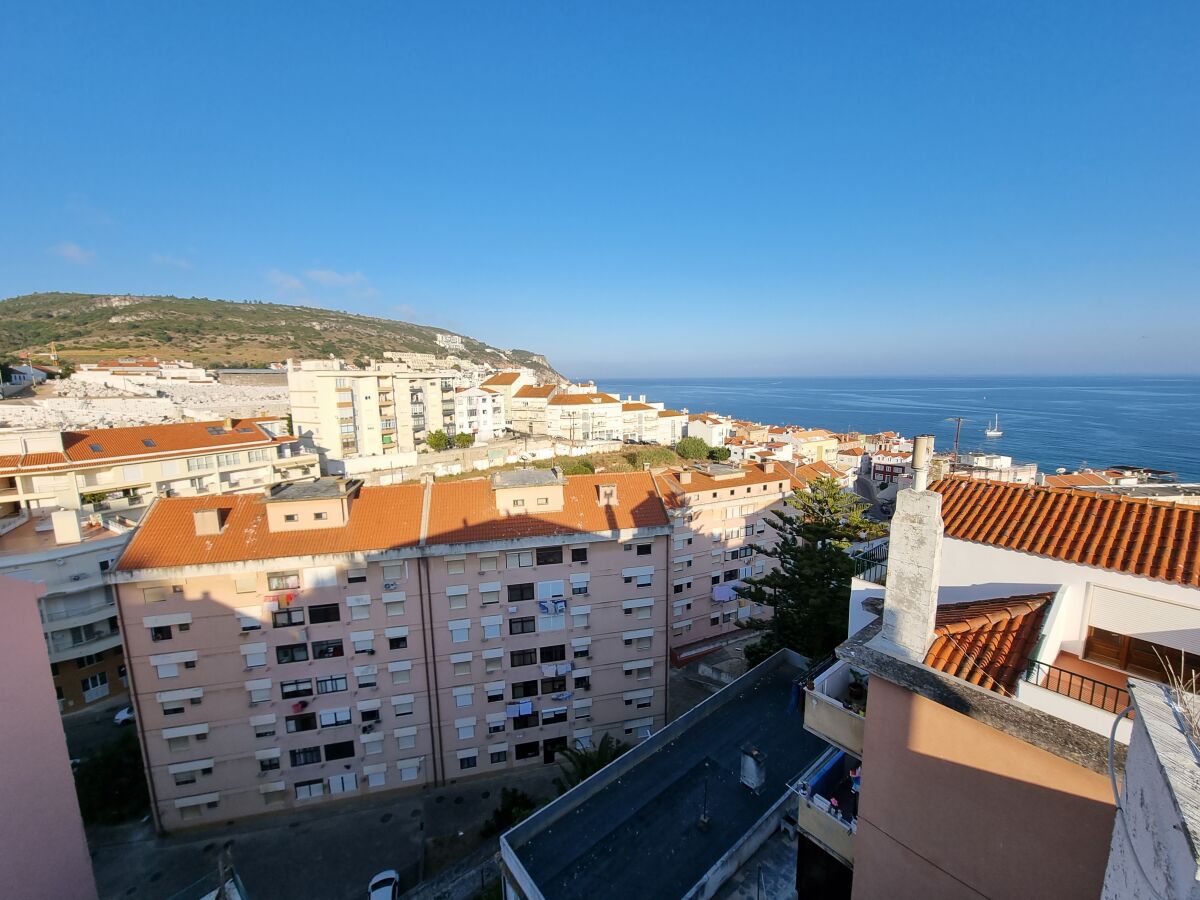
{"x":1068,"y":422}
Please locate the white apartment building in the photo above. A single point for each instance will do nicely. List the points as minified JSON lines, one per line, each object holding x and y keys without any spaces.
{"x":335,"y":640}
{"x":672,"y":426}
{"x":527,"y":414}
{"x":711,"y":429}
{"x":359,"y":414}
{"x":480,"y":412}
{"x":640,"y":421}
{"x":584,"y":417}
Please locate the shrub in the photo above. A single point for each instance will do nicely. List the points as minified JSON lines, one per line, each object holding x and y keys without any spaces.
{"x":692,"y":448}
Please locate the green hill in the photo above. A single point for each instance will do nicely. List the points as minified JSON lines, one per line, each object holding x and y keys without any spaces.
{"x":88,"y":327}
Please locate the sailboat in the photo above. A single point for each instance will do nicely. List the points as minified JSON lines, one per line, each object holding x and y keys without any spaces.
{"x":993,"y":429}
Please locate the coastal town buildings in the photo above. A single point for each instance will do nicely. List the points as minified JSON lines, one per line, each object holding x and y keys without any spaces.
{"x":45,"y":850}
{"x":672,"y":426}
{"x":507,"y":384}
{"x":357,"y":418}
{"x":479,"y":412}
{"x":143,"y":371}
{"x":528,"y":411}
{"x":813,"y":445}
{"x":68,"y":501}
{"x":891,"y":466}
{"x":334,"y":639}
{"x":639,"y":421}
{"x":585,"y":417}
{"x":710,"y":428}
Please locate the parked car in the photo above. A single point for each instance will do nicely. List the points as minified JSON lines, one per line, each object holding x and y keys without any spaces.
{"x":384,"y":886}
{"x":124,"y":716}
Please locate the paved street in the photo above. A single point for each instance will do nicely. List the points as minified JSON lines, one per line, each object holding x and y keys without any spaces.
{"x":329,"y":853}
{"x":91,"y":729}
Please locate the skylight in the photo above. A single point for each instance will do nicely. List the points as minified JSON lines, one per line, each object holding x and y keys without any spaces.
{"x":149,"y":442}
{"x":215,"y":429}
{"x":96,"y":448}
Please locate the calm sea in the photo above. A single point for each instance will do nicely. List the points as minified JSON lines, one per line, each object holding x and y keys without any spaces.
{"x":1067,"y":422}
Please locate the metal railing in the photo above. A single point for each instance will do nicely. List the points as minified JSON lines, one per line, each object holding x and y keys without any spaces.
{"x":1095,"y":693}
{"x":79,"y":611}
{"x":871,"y":564}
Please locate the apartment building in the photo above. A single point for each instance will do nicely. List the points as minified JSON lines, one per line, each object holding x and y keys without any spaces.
{"x":584,"y":417}
{"x":332,"y":640}
{"x":891,"y":466}
{"x":813,"y":445}
{"x":480,"y":412}
{"x":343,"y":413}
{"x":69,"y":500}
{"x":507,"y":384}
{"x":710,"y":428}
{"x":1012,"y":620}
{"x":640,"y":422}
{"x":527,"y":413}
{"x":672,"y":426}
{"x":718,"y":513}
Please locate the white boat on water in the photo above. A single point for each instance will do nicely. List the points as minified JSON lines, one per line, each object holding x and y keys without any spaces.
{"x":993,"y":429}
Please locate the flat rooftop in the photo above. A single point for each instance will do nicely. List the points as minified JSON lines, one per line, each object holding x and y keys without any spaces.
{"x":321,"y":489}
{"x":1149,"y":491}
{"x":37,"y":536}
{"x":519,"y":478}
{"x":635,"y":832}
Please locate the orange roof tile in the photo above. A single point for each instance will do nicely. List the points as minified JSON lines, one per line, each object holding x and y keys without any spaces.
{"x":636,"y":407}
{"x":581,"y":399}
{"x":674,"y":492}
{"x":669,"y":412}
{"x":1125,"y":534}
{"x":464,"y":511}
{"x":987,"y":642}
{"x":380,"y":517}
{"x":1076,"y":479}
{"x":501,"y":379}
{"x":538,"y":391}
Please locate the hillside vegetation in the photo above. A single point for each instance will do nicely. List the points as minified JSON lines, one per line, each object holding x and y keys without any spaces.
{"x":88,"y":327}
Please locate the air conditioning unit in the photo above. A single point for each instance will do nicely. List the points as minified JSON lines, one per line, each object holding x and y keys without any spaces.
{"x":390,"y":585}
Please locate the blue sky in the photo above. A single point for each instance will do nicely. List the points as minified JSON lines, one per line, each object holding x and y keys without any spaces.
{"x":632,"y":188}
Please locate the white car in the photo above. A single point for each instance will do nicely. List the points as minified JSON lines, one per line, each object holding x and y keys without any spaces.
{"x":384,"y":886}
{"x":123,"y":716}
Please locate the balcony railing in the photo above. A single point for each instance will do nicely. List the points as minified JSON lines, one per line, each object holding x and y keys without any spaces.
{"x":1095,"y":693}
{"x":871,"y":564}
{"x":78,"y":611}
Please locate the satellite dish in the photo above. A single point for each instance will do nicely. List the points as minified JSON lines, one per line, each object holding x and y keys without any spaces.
{"x":1060,"y":471}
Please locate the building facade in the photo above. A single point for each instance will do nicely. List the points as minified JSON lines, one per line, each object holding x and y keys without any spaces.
{"x":335,"y":640}
{"x":479,"y":412}
{"x":584,"y":417}
{"x":527,"y":414}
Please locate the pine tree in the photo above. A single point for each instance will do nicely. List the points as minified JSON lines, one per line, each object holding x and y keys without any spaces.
{"x":810,"y":588}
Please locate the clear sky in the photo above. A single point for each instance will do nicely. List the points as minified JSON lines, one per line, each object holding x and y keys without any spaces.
{"x":632,"y":188}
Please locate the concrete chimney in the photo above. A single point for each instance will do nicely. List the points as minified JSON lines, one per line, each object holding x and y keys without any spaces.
{"x":914,"y":563}
{"x":768,"y":466}
{"x":606,"y":495}
{"x":66,"y":526}
{"x":685,"y":477}
{"x":209,"y":521}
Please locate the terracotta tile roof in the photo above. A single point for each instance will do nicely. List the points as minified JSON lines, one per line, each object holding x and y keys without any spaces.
{"x":636,"y":407}
{"x":380,"y":517}
{"x":1077,"y":479}
{"x":706,"y":418}
{"x":673,"y":492}
{"x":501,"y":379}
{"x":539,"y":391}
{"x":987,"y":642}
{"x":581,"y":399}
{"x":852,"y":451}
{"x":669,"y":412}
{"x":125,"y":443}
{"x":1125,"y":534}
{"x":463,"y":511}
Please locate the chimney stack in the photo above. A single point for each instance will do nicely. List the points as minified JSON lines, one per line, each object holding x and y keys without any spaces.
{"x":209,"y":520}
{"x":914,"y":562}
{"x":66,"y":526}
{"x":606,"y":495}
{"x":768,"y":466}
{"x":685,"y":477}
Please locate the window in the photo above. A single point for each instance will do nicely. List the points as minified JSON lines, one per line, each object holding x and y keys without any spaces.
{"x":461,"y":667}
{"x":331,"y":684}
{"x":518,"y":502}
{"x":492,"y":663}
{"x":644,"y":549}
{"x":456,"y":565}
{"x":321,"y":517}
{"x":519,"y":560}
{"x":284,"y":617}
{"x":393,"y":603}
{"x":324,"y":612}
{"x":579,"y":554}
{"x":714,"y":619}
{"x":554,"y":716}
{"x":495,"y":691}
{"x":522,"y":689}
{"x":301,"y":722}
{"x":363,"y":641}
{"x":549,"y":556}
{"x":469,"y":762}
{"x":173,"y":707}
{"x":553,"y":653}
{"x":367,"y":676}
{"x":682,"y":585}
{"x":581,"y":616}
{"x":520,"y":658}
{"x":398,"y":642}
{"x":496,"y":723}
{"x":521,"y":625}
{"x":265,"y":729}
{"x":520,"y":723}
{"x":552,"y":621}
{"x":199,"y":463}
{"x":498,"y":756}
{"x":465,"y":729}
{"x":583,"y":682}
{"x":528,"y":750}
{"x":160,"y":633}
{"x":355,"y":576}
{"x":327,"y":649}
{"x":332,"y":718}
{"x":489,"y":593}
{"x":305,"y":756}
{"x":307,"y":789}
{"x":283,"y":581}
{"x":460,"y":630}
{"x":403,"y":705}
{"x":555,"y":685}
{"x":401,"y":672}
{"x":406,"y":738}
{"x":301,"y":688}
{"x":339,"y":750}
{"x":269,"y":764}
{"x":457,"y":596}
{"x":291,"y":517}
{"x":290,"y":653}
{"x":394,"y":574}
{"x":519,"y":592}
{"x":491,"y":626}
{"x":489,"y":563}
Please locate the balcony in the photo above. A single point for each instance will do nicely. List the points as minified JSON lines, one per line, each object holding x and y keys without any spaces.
{"x":835,"y":702}
{"x":78,"y":614}
{"x":870,"y":563}
{"x":1085,"y":701}
{"x":828,"y":809}
{"x":61,"y":650}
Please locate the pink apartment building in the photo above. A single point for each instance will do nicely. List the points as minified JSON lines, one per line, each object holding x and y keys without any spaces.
{"x":332,"y":639}
{"x":718,"y":514}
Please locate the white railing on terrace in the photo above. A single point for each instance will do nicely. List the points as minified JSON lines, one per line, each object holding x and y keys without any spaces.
{"x":8,"y":523}
{"x":78,"y":611}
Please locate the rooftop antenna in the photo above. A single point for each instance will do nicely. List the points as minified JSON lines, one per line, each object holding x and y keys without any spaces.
{"x":957,"y":431}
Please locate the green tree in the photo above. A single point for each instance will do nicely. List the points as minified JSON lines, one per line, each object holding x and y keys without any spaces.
{"x":437,"y":440}
{"x":809,"y":590}
{"x":515,"y":807}
{"x":718,"y":454}
{"x":692,"y":448}
{"x":578,"y":763}
{"x":462,"y":440}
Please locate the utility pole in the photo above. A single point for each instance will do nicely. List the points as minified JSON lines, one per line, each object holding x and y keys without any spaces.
{"x":957,"y":432}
